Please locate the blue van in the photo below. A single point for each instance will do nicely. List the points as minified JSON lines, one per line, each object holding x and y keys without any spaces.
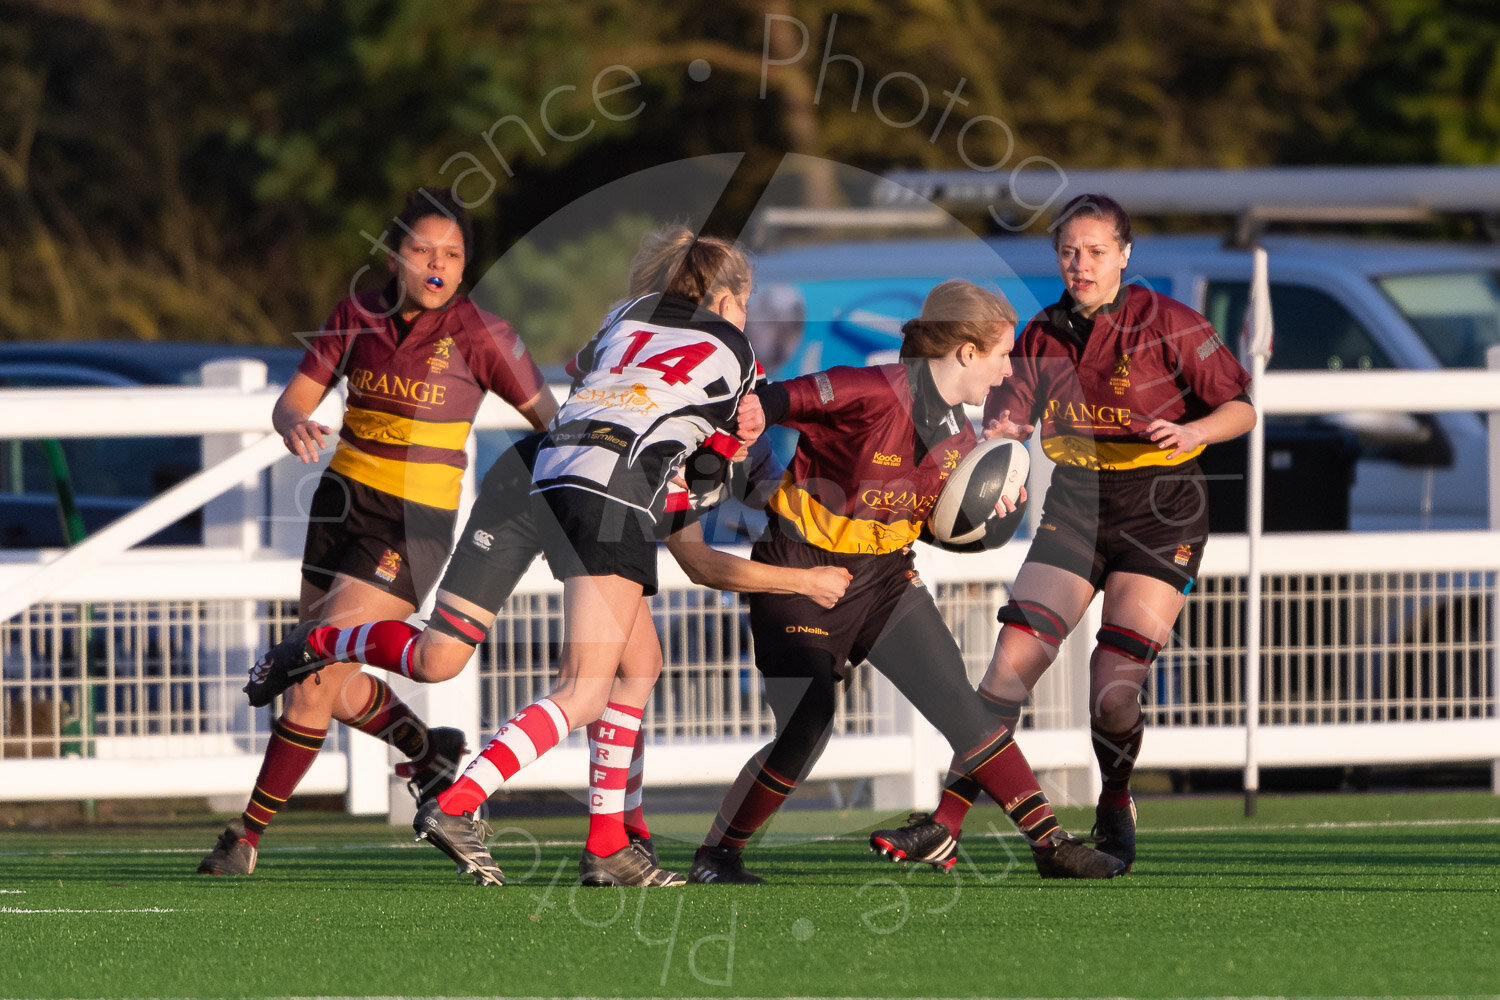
{"x":106,"y":477}
{"x":1338,"y":304}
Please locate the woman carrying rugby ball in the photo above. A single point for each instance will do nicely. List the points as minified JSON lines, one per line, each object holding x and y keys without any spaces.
{"x":874,"y":447}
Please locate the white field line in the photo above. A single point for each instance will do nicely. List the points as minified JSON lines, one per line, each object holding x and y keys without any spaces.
{"x":1373,"y":824}
{"x":22,"y":910}
{"x":1423,"y":996}
{"x":771,"y":839}
{"x":1376,"y":824}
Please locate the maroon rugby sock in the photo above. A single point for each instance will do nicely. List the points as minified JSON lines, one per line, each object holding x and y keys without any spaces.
{"x":388,"y":718}
{"x":755,"y":796}
{"x":1117,"y":753}
{"x":960,"y":791}
{"x":290,"y":753}
{"x":1002,"y":770}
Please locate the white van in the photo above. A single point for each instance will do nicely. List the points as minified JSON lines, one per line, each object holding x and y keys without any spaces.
{"x":1338,"y":305}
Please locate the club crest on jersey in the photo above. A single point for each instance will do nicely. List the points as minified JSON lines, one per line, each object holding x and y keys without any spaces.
{"x":1184,"y":553}
{"x":442,"y":355}
{"x":1120,"y":380}
{"x":950,"y":460}
{"x":390,"y":565}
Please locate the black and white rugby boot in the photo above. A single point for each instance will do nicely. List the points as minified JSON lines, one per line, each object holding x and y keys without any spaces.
{"x":232,"y":853}
{"x":283,"y":665}
{"x":923,"y":840}
{"x":449,"y":748}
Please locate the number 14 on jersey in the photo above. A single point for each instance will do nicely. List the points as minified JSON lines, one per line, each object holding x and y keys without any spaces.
{"x":675,"y":362}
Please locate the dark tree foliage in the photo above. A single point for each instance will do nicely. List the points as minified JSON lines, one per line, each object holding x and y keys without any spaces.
{"x":225,"y":169}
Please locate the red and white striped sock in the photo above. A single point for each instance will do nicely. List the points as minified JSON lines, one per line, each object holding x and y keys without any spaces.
{"x":635,"y":813}
{"x":386,"y":645}
{"x":611,"y":746}
{"x":536,"y":729}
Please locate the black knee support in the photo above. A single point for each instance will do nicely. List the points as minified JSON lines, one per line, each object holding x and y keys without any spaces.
{"x":450,"y":621}
{"x":1037,"y":619}
{"x":1128,"y":643}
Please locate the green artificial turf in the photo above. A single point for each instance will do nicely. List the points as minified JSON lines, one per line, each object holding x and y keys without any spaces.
{"x":1356,"y":895}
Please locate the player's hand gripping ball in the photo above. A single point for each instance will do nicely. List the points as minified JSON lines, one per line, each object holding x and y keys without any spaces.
{"x":995,"y":468}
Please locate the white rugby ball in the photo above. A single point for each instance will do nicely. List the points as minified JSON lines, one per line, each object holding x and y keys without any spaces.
{"x":995,"y":468}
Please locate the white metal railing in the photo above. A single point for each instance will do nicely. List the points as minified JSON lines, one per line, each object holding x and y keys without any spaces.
{"x":1371,"y":652}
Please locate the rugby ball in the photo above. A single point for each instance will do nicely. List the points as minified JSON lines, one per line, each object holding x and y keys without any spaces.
{"x":995,"y":468}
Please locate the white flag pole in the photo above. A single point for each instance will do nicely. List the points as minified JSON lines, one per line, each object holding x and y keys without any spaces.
{"x":1257,"y":335}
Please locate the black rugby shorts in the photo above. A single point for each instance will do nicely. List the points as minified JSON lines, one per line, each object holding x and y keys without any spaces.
{"x":585,"y":534}
{"x":1148,"y":521}
{"x":785,"y":624}
{"x":374,"y":537}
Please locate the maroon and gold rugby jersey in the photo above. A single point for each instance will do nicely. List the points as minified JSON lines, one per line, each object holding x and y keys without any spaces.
{"x":412,"y":399}
{"x":1093,"y":394}
{"x":875,"y":446}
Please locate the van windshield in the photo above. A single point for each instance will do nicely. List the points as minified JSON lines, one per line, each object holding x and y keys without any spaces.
{"x":1456,"y":312}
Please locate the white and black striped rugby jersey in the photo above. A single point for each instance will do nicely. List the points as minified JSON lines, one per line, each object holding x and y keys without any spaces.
{"x":661,"y":377}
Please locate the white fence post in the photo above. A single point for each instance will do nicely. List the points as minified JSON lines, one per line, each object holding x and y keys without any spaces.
{"x":231,"y":520}
{"x":1492,"y":361}
{"x":369,"y":791}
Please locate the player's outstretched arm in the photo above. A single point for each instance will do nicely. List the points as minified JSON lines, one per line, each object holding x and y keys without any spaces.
{"x":291,"y":417}
{"x":539,"y":409}
{"x":711,"y":567}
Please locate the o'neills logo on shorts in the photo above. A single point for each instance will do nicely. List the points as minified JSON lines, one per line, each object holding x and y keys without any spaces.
{"x":804,"y":630}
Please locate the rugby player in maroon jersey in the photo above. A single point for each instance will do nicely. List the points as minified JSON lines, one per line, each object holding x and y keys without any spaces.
{"x":1128,"y":387}
{"x":873,"y":449}
{"x":418,"y":358}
